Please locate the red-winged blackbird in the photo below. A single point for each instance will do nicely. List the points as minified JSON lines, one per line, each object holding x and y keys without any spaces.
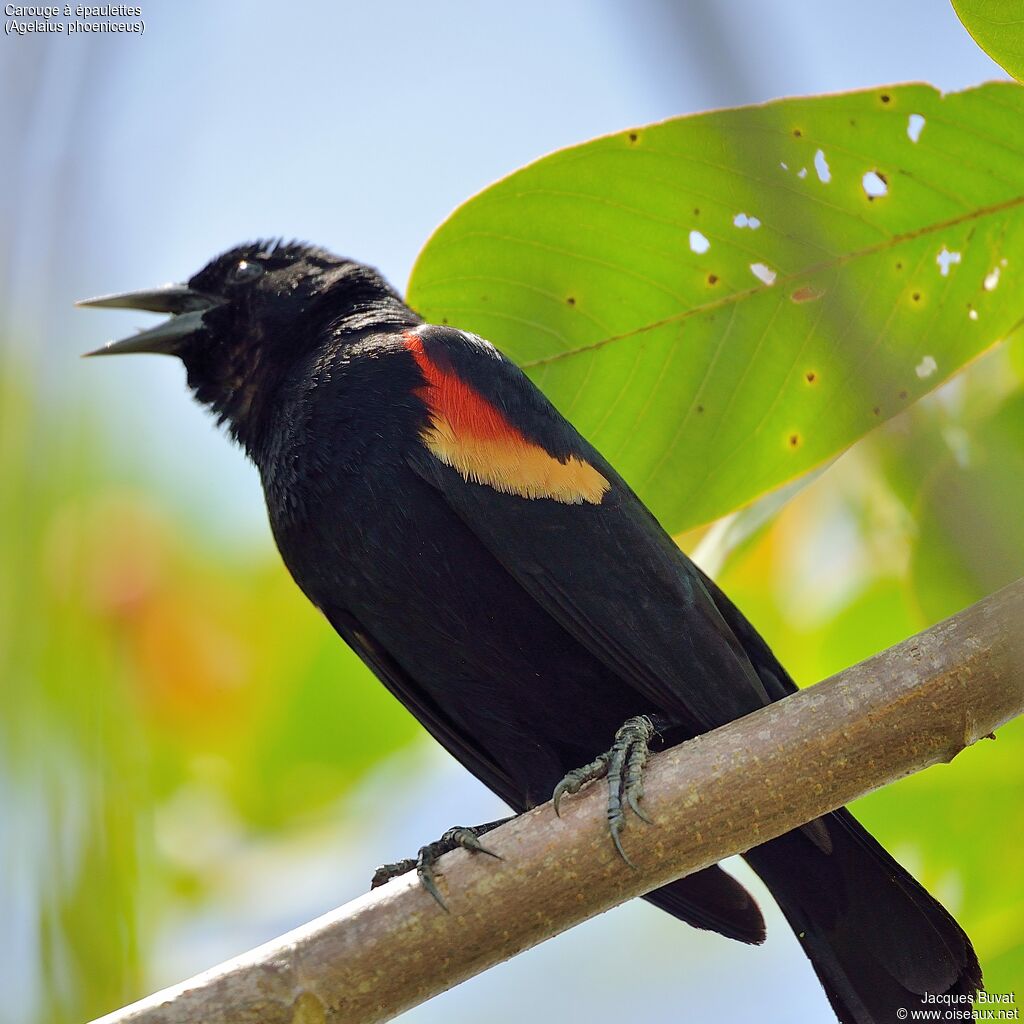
{"x":508,"y":587}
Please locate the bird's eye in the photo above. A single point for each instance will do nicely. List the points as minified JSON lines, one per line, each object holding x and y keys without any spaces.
{"x":247,"y":270}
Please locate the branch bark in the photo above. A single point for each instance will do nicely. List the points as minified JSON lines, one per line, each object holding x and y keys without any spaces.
{"x":915,"y":705}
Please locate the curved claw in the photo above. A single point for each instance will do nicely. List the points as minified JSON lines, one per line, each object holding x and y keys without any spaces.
{"x":560,"y":790}
{"x":633,"y":799}
{"x":615,"y":828}
{"x":425,"y":873}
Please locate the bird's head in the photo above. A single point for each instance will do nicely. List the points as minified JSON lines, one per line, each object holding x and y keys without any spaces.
{"x":252,"y":314}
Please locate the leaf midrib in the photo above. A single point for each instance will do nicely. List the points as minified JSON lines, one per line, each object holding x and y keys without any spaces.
{"x":781,"y":280}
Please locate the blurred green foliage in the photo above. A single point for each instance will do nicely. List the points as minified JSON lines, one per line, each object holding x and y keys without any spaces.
{"x":137,"y":664}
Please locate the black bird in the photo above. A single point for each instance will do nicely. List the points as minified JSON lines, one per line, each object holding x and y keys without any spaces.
{"x":508,"y":587}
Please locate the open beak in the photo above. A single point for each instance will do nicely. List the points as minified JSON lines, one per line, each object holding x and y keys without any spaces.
{"x":186,"y":305}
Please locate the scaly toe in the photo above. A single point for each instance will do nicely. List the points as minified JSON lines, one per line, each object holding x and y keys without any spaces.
{"x":468,"y":840}
{"x":633,"y":777}
{"x":386,"y":872}
{"x":578,"y":777}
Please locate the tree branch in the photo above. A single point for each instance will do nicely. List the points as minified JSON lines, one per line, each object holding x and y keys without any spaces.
{"x":912,"y":706}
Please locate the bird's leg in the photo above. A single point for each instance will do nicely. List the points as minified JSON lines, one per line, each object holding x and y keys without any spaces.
{"x":623,"y":766}
{"x":466,"y":837}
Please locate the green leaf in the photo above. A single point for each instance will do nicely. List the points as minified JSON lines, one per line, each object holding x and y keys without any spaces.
{"x":998,"y":28}
{"x":623,"y":274}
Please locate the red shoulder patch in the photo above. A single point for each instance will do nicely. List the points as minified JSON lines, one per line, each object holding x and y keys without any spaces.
{"x":469,"y":434}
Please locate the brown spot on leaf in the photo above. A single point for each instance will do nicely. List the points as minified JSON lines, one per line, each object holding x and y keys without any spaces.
{"x":810,"y":376}
{"x":806,"y":293}
{"x":712,"y":279}
{"x":794,"y":440}
{"x":571,"y":300}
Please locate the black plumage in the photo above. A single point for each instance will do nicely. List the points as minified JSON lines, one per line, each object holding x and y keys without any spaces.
{"x":508,"y":587}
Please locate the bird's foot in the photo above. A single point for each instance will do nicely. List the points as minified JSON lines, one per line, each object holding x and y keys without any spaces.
{"x":623,"y":766}
{"x":461,"y":836}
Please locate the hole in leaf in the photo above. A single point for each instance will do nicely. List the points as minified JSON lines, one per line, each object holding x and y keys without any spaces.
{"x":763,"y":272}
{"x":821,"y":166}
{"x":806,"y":293}
{"x":915,"y":125}
{"x":802,"y":173}
{"x":972,"y":314}
{"x":741,"y":220}
{"x":875,"y":184}
{"x":784,"y":165}
{"x":946,"y":259}
{"x":926,"y":367}
{"x":992,"y":279}
{"x":698,"y":242}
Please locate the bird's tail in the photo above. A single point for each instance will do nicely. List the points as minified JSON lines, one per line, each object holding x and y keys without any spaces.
{"x":877,"y":940}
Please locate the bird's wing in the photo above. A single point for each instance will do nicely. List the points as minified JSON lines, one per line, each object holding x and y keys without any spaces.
{"x":574,"y":535}
{"x":458,"y":742}
{"x":777,"y":681}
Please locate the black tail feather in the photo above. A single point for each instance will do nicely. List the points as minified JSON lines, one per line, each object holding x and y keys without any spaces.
{"x":877,"y":940}
{"x":712,"y":899}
